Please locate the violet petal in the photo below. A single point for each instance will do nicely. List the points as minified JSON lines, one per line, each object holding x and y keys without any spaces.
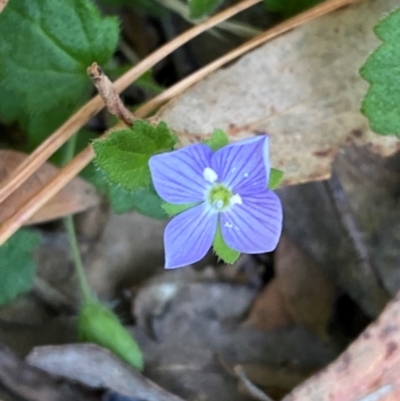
{"x":243,"y":166}
{"x":255,"y":225}
{"x":189,"y":236}
{"x":178,"y":175}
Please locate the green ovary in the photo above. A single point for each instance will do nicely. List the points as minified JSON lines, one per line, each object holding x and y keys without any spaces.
{"x":219,"y":196}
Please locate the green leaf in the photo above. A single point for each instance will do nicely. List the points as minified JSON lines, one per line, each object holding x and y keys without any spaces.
{"x":43,"y":68}
{"x":218,"y":140}
{"x":172,"y":209}
{"x":17,"y":266}
{"x":123,"y":156}
{"x":222,"y":250}
{"x":381,"y":104}
{"x":290,"y":7}
{"x":144,"y":200}
{"x":98,"y":324}
{"x":275,"y":178}
{"x":202,"y":8}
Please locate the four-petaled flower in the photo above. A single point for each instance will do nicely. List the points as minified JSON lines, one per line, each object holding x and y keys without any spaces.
{"x":229,"y":187}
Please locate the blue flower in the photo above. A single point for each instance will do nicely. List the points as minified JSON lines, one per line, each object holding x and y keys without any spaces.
{"x":228,"y":187}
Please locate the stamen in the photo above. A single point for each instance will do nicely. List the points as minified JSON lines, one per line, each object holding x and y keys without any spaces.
{"x":210,"y":175}
{"x":236,"y":200}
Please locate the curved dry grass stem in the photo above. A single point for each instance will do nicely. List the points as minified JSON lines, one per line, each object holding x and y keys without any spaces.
{"x":12,"y":224}
{"x":83,"y":115}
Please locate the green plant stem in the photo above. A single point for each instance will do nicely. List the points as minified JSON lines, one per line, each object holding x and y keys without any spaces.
{"x":72,"y":239}
{"x":76,"y":256}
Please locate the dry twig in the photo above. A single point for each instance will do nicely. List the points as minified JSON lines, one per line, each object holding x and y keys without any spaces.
{"x":109,"y":95}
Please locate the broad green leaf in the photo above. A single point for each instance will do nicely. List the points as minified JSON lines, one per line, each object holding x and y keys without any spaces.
{"x":218,"y":140}
{"x":202,"y":8}
{"x":99,"y":325}
{"x":275,"y":178}
{"x":45,"y":48}
{"x":222,"y":250}
{"x":144,"y":200}
{"x":123,"y":156}
{"x":173,"y":210}
{"x":290,"y":7}
{"x":381,"y":104}
{"x":17,"y":266}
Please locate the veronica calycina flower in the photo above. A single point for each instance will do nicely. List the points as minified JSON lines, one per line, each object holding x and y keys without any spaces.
{"x":228,"y":191}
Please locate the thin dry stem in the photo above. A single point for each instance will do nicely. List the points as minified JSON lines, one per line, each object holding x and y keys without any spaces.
{"x":109,"y":95}
{"x":82,"y":116}
{"x":12,"y":224}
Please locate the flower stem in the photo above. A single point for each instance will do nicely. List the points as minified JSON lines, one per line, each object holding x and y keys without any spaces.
{"x":86,"y":292}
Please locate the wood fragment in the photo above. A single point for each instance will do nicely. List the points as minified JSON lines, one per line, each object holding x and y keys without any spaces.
{"x":32,"y":384}
{"x":367,"y":371}
{"x":109,"y":95}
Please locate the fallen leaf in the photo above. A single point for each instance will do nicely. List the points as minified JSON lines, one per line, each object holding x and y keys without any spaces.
{"x":199,"y":323}
{"x":98,"y":368}
{"x":300,"y":293}
{"x":371,"y":184}
{"x":269,"y":310}
{"x":303,"y":89}
{"x":367,"y":371}
{"x":31,"y":384}
{"x":76,"y":197}
{"x":276,"y":382}
{"x":308,"y":294}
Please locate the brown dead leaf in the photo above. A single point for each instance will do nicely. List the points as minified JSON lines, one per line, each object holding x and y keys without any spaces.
{"x":269,"y":310}
{"x":76,"y":197}
{"x":309,"y":295}
{"x":367,"y":371}
{"x":303,"y":89}
{"x":276,"y":382}
{"x":300,"y":293}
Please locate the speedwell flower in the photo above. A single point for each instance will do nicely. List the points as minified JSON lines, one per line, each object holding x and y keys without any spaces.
{"x":228,"y":187}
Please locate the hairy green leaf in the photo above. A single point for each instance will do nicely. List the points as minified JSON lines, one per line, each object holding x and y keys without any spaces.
{"x":275,"y":178}
{"x":290,"y":7}
{"x":144,"y":200}
{"x":222,"y":250}
{"x":99,"y":325}
{"x":218,"y":140}
{"x":381,"y":104}
{"x":43,"y":63}
{"x":17,"y":266}
{"x":202,"y":8}
{"x":123,"y":156}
